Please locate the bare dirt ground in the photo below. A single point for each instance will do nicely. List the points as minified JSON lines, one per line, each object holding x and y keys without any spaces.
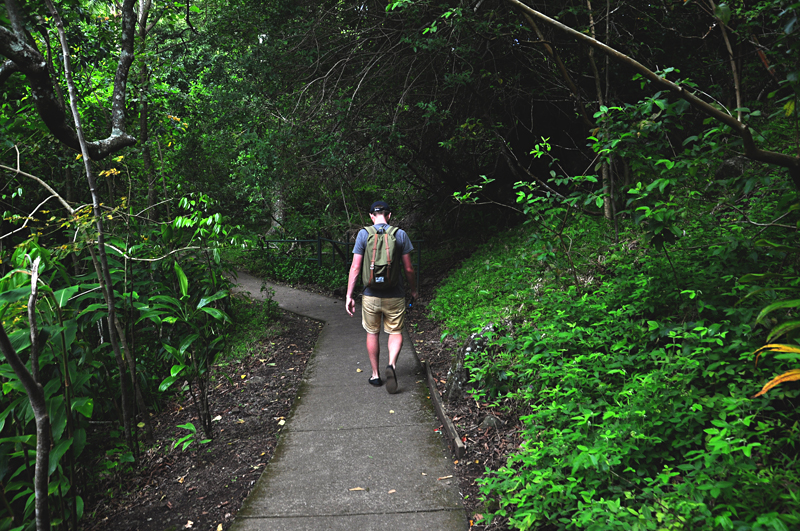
{"x":203,"y":487}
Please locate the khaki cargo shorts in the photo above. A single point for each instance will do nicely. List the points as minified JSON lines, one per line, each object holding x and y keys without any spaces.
{"x":392,"y":310}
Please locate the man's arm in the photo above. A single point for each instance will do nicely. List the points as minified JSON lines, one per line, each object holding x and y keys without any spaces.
{"x":410,"y":276}
{"x":355,"y":270}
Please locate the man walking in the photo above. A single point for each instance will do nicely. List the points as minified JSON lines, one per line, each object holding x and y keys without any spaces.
{"x":386,"y":303}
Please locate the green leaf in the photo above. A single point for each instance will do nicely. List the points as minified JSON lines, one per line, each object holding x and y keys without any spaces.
{"x":182,"y":280}
{"x":723,"y":13}
{"x":794,"y":303}
{"x":20,"y":340}
{"x":63,"y":295}
{"x":207,"y":300}
{"x":78,"y":442}
{"x":188,"y":426}
{"x":93,"y":308}
{"x":216,"y":314}
{"x":84,"y":406}
{"x":57,"y":453}
{"x":79,"y":506}
{"x":15,"y":295}
{"x":168,"y":381}
{"x":186,"y":343}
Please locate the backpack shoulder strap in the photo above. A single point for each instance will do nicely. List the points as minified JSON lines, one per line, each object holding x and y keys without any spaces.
{"x":392,"y":230}
{"x":371,"y":230}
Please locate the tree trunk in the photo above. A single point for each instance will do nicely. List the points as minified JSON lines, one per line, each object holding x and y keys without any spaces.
{"x":101,"y":265}
{"x":39,"y":406}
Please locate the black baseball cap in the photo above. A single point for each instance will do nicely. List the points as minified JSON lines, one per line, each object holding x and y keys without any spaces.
{"x":379,"y":206}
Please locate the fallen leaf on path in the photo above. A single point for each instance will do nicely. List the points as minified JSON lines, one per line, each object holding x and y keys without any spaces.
{"x":391,"y":491}
{"x":281,"y":422}
{"x":443,"y":477}
{"x":189,"y":524}
{"x":424,"y":474}
{"x":244,"y":376}
{"x":217,"y":418}
{"x":359,"y":370}
{"x":181,"y":479}
{"x":391,"y":411}
{"x":357,"y":488}
{"x":219,"y":527}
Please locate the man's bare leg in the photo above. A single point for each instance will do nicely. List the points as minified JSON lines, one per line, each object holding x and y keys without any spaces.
{"x":395,"y":344}
{"x":374,"y":351}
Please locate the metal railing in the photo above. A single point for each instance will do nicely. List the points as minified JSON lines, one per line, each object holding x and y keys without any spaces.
{"x":321,"y":245}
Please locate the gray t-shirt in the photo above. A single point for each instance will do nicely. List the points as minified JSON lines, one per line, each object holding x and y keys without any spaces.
{"x":404,"y":243}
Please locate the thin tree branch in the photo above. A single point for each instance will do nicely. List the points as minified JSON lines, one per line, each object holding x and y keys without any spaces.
{"x":751,"y":151}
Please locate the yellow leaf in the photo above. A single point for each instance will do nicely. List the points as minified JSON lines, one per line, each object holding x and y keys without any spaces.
{"x":79,"y":156}
{"x":776,"y":347}
{"x":789,"y":107}
{"x":240,"y":421}
{"x":281,"y":422}
{"x":357,"y":488}
{"x":359,"y":370}
{"x":391,"y":411}
{"x":443,"y":477}
{"x":219,"y":527}
{"x":244,"y":376}
{"x":788,"y":376}
{"x":391,"y":491}
{"x":140,"y":425}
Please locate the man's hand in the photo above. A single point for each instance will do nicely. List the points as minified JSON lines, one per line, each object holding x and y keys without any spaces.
{"x":350,"y":305}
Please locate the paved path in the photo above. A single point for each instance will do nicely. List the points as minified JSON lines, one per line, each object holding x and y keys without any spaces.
{"x":344,"y":434}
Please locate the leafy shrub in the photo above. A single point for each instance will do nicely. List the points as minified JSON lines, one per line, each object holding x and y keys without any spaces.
{"x":292,"y":271}
{"x":633,"y":388}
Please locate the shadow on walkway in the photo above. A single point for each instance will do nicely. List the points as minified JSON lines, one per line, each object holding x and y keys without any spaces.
{"x":351,"y":456}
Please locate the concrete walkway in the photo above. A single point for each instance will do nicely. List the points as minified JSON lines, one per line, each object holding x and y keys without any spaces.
{"x":351,"y":456}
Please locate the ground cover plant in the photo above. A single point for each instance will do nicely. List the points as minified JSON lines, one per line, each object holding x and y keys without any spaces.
{"x":633,"y":383}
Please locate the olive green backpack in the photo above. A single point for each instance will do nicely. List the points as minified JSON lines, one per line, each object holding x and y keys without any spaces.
{"x":381,"y":266}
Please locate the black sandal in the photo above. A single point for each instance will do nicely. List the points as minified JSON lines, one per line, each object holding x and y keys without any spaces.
{"x":391,"y":380}
{"x":377,"y":382}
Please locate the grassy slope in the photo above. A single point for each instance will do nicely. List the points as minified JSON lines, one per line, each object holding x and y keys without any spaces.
{"x":634,"y":384}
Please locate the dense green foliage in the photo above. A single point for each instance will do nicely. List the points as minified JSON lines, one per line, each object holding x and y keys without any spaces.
{"x":286,"y":119}
{"x":633,"y":377}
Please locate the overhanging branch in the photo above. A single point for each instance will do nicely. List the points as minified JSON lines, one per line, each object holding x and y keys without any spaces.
{"x":751,"y":151}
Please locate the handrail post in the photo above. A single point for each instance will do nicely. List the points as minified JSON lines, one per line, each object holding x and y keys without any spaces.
{"x":419,"y":264}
